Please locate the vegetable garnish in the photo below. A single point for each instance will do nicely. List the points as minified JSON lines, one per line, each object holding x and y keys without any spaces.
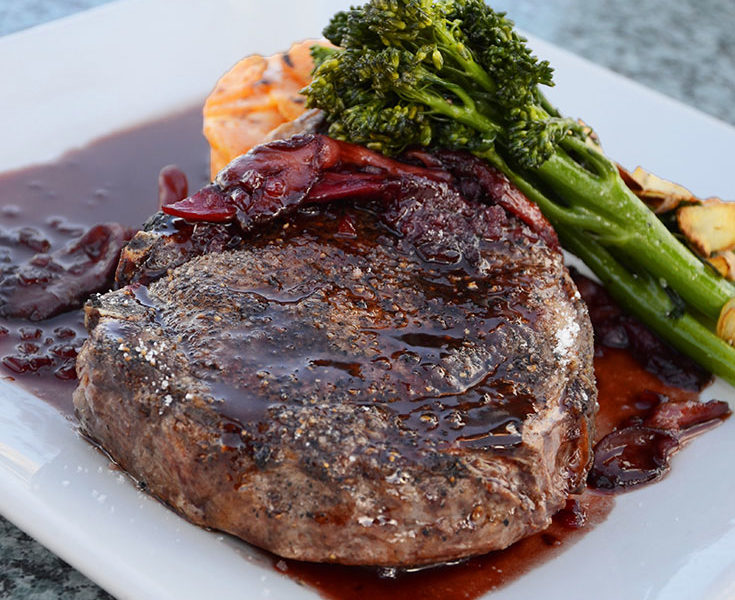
{"x":455,"y":74}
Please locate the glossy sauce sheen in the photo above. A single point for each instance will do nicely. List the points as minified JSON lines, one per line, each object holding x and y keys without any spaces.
{"x":624,"y":387}
{"x":115,"y":179}
{"x":645,"y":416}
{"x":43,"y":208}
{"x":397,"y":355}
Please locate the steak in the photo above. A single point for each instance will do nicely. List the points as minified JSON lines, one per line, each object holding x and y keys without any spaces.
{"x":377,"y":363}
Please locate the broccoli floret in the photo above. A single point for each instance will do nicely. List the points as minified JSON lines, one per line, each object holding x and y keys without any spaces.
{"x":321,"y":53}
{"x":454,"y":73}
{"x":414,"y":57}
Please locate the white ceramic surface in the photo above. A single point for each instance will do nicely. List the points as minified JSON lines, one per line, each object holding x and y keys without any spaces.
{"x":76,"y":79}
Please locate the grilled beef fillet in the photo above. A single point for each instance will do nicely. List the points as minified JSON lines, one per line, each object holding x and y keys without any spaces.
{"x":378,"y":364}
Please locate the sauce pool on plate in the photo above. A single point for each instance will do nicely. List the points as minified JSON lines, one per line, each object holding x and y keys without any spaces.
{"x":45,"y":208}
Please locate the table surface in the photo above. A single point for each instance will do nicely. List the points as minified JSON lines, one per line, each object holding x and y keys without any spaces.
{"x":682,"y":48}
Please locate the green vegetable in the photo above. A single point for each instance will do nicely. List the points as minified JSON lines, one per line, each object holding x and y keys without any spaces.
{"x":454,"y":73}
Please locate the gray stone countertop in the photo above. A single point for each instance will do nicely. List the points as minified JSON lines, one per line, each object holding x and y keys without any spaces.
{"x":683,"y":48}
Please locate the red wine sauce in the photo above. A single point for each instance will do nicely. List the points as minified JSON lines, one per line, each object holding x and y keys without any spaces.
{"x":44,"y":208}
{"x":465,"y":580}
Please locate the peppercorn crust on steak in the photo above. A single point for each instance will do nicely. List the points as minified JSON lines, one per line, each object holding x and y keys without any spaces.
{"x":372,"y":362}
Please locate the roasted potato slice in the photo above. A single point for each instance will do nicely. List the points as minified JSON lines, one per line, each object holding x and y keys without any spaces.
{"x":726,"y":322}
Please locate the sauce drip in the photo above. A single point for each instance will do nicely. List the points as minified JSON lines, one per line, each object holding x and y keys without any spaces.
{"x":650,"y":406}
{"x":468,"y":579}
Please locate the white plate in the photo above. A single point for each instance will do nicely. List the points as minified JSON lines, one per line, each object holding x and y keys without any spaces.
{"x":76,"y":79}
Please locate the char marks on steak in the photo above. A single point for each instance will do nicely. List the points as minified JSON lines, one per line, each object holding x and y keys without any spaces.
{"x":402,"y":377}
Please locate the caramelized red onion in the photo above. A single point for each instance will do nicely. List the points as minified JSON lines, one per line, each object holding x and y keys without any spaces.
{"x":49,"y":284}
{"x":640,"y":448}
{"x":276,"y":178}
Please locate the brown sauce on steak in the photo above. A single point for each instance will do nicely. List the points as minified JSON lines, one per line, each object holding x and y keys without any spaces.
{"x":410,"y":336}
{"x":44,"y":208}
{"x":419,"y":460}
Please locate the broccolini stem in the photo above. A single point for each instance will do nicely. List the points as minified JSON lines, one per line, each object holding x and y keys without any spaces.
{"x":548,"y":106}
{"x":629,"y":227}
{"x":465,"y":112}
{"x":640,"y":294}
{"x":647,"y":301}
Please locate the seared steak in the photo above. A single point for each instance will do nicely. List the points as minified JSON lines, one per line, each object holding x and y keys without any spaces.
{"x":402,"y":377}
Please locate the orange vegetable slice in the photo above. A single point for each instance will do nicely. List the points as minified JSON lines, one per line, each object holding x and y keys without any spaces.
{"x":254,"y":97}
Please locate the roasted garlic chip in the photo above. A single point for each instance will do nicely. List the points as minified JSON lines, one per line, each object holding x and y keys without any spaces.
{"x":726,"y":322}
{"x":724,"y":264}
{"x":709,"y":227}
{"x":659,"y":194}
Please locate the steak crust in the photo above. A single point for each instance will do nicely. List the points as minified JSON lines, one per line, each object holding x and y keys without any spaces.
{"x":391,"y":383}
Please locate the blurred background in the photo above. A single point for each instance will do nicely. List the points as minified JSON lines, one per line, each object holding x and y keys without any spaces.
{"x":682,"y":48}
